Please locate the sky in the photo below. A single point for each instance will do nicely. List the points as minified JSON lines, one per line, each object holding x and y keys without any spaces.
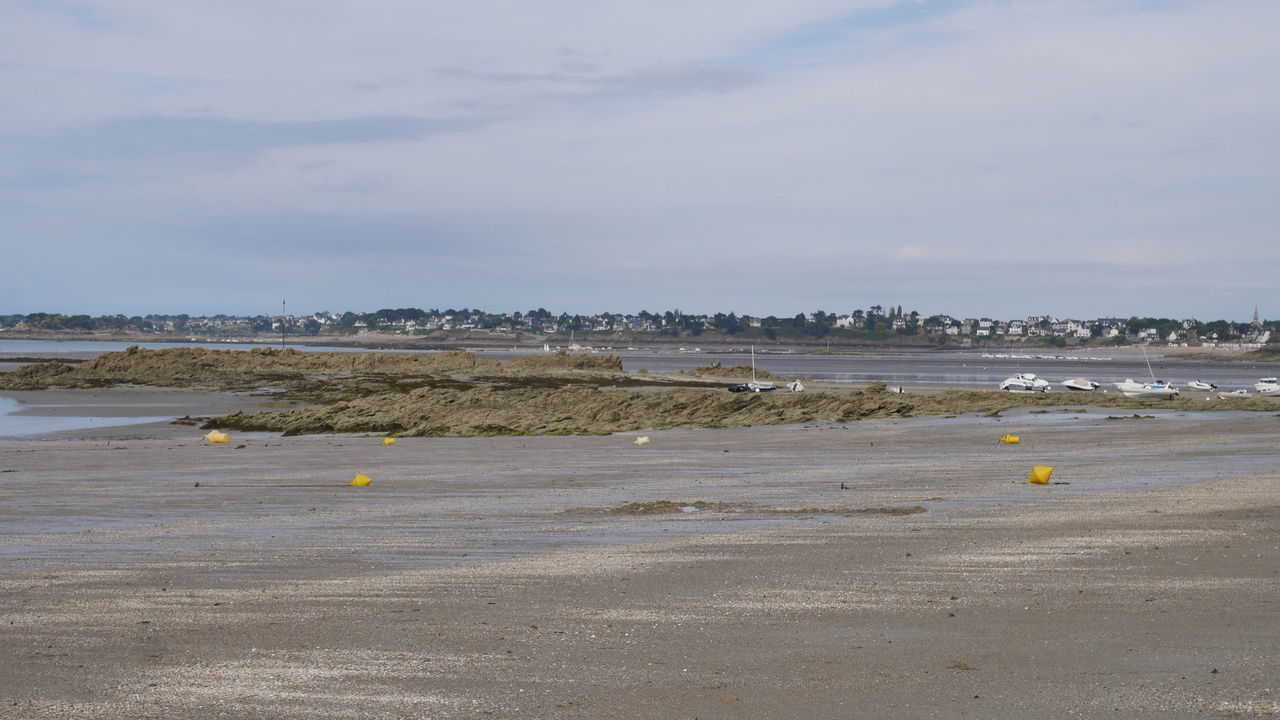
{"x":998,"y":158}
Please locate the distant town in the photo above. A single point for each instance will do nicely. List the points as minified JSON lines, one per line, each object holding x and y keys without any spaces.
{"x":874,"y":325}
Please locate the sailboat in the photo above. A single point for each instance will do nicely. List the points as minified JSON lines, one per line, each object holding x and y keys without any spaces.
{"x":755,"y":385}
{"x":1154,"y":389}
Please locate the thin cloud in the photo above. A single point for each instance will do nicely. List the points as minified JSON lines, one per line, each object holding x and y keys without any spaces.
{"x":651,"y":82}
{"x":129,"y":147}
{"x":158,"y":136}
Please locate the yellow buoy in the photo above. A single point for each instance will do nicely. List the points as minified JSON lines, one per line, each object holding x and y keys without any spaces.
{"x":1040,"y":475}
{"x":642,"y":440}
{"x":360,"y":481}
{"x":389,"y":441}
{"x":216,"y":437}
{"x":1010,"y":439}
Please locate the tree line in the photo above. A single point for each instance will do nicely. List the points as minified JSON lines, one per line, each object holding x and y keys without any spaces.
{"x":874,"y":323}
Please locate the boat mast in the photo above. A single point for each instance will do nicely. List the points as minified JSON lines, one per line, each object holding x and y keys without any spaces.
{"x":1149,"y":370}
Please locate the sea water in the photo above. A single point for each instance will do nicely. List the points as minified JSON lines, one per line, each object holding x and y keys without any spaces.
{"x":960,"y":369}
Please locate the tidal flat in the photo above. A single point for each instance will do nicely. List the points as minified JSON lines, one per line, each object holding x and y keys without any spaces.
{"x":886,"y":567}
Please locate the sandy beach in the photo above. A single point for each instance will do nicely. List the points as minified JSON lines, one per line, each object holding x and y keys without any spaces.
{"x":886,"y":568}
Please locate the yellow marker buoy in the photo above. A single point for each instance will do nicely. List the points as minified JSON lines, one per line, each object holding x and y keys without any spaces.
{"x":360,"y":481}
{"x":642,"y":440}
{"x":1010,"y":439}
{"x":389,"y":441}
{"x":1040,"y":475}
{"x":217,"y":438}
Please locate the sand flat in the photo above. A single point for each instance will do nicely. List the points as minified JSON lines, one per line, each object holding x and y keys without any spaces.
{"x":488,"y":577}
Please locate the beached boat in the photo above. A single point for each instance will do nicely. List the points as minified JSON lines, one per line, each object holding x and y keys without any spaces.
{"x":755,"y":385}
{"x":1081,"y":385}
{"x":1025,"y":382}
{"x":1241,"y":393}
{"x":1153,"y":389}
{"x":1267,"y":387}
{"x":1201,"y":385}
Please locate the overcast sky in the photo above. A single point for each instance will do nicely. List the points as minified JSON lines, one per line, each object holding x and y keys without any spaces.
{"x":1080,"y":158}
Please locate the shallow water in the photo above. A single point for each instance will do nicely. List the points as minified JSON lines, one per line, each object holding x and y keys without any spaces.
{"x":81,"y":348}
{"x":16,"y":420}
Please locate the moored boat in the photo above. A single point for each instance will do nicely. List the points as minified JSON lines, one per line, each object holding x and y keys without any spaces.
{"x":1267,"y":387}
{"x":1081,"y":385}
{"x":758,"y":386}
{"x":1025,"y":382}
{"x":1153,"y":389}
{"x":1201,"y":385}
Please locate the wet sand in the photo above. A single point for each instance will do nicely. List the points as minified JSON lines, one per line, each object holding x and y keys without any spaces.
{"x":517,"y":577}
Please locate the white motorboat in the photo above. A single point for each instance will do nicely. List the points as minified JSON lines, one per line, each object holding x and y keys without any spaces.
{"x":1025,"y":382}
{"x":1081,"y":385}
{"x":1241,"y":393}
{"x":1267,"y":387}
{"x":1153,"y":389}
{"x":1201,"y":385}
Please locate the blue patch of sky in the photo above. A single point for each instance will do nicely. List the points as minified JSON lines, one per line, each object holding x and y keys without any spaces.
{"x":82,"y":15}
{"x":1164,"y":7}
{"x":136,"y":84}
{"x":850,"y":36}
{"x":858,"y":35}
